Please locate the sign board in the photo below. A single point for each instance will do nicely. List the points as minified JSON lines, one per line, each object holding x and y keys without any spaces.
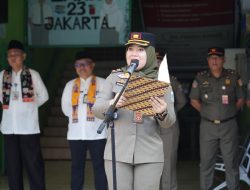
{"x":185,"y":29}
{"x":78,"y":22}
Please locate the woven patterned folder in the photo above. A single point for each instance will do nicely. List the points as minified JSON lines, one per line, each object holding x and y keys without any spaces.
{"x":139,"y":91}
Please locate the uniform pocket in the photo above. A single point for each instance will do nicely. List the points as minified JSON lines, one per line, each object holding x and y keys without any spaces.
{"x":207,"y":93}
{"x":230,"y":92}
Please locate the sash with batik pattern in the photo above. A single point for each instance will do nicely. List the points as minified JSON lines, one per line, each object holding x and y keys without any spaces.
{"x":26,"y":86}
{"x":91,"y":97}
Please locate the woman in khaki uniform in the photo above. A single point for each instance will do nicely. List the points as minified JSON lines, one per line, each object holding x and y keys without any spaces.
{"x":139,"y":148}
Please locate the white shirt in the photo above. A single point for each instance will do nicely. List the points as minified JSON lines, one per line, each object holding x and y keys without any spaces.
{"x":22,"y":117}
{"x":83,"y":129}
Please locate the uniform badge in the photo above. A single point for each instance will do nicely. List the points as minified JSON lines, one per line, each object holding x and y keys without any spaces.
{"x":116,"y":70}
{"x":138,"y":117}
{"x":223,"y":87}
{"x":123,"y":76}
{"x":206,"y":96}
{"x":240,"y":82}
{"x":120,"y":82}
{"x":224,"y":99}
{"x":228,"y":81}
{"x":195,"y":84}
{"x":205,"y":83}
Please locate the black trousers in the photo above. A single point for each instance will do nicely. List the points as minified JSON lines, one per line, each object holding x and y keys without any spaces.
{"x":24,"y":150}
{"x":78,"y":150}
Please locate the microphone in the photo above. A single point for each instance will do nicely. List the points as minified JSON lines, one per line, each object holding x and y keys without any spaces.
{"x":133,"y":65}
{"x":110,"y":114}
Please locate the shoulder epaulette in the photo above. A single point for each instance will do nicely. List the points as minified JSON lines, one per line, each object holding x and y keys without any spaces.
{"x":231,"y":71}
{"x":202,"y":73}
{"x":173,"y":77}
{"x":116,"y":70}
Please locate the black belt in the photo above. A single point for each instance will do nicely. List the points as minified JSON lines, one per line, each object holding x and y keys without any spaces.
{"x":216,"y":121}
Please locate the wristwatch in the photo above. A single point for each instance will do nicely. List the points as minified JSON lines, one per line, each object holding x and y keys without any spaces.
{"x":161,"y":116}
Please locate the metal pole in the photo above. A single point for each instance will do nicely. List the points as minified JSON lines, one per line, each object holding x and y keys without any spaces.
{"x":113,"y":154}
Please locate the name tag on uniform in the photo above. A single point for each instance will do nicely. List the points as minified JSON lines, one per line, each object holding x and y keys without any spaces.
{"x":138,"y":117}
{"x":85,"y":100}
{"x":224,"y":99}
{"x":15,"y":95}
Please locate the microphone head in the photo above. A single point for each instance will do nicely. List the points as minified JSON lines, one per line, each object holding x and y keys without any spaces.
{"x":133,"y":65}
{"x":135,"y":61}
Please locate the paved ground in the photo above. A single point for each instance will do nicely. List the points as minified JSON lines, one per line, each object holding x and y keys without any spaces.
{"x":58,"y":176}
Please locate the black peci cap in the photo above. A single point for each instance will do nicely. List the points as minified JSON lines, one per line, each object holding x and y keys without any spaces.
{"x":82,"y":55}
{"x":216,"y":51}
{"x":15,"y":44}
{"x":142,"y":39}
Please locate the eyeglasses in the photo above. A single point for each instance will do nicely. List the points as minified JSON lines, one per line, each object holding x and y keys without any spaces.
{"x":82,"y":64}
{"x":14,"y":55}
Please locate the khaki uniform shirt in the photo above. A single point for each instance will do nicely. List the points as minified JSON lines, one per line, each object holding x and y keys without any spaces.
{"x":218,"y":96}
{"x":135,"y":142}
{"x":179,"y":99}
{"x":179,"y":96}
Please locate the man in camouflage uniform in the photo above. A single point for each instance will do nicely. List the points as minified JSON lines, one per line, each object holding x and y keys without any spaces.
{"x":170,"y":136}
{"x":218,"y":94}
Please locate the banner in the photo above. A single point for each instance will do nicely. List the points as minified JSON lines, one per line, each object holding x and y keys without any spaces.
{"x":78,"y":22}
{"x":185,"y":29}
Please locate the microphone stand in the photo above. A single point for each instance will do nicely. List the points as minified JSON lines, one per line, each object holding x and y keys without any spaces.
{"x":110,"y":116}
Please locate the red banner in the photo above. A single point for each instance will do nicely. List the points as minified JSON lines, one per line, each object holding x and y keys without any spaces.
{"x":188,"y":13}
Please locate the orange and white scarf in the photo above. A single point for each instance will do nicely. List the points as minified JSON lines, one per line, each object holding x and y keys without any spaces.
{"x":91,"y":97}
